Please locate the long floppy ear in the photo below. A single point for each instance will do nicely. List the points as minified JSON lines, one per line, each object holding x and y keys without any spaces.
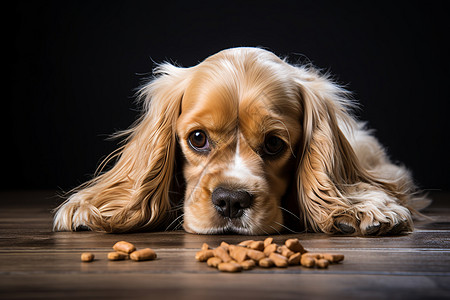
{"x":331,"y":181}
{"x":134,"y":193}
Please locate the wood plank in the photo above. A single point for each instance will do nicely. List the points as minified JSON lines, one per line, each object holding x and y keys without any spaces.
{"x":223,"y":286}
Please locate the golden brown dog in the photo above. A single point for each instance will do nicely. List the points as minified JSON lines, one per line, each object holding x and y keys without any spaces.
{"x":250,"y":131}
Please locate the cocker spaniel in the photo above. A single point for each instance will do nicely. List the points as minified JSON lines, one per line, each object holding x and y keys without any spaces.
{"x":257,"y":140}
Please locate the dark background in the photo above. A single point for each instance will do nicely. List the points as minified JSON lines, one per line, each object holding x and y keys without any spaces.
{"x":72,"y":68}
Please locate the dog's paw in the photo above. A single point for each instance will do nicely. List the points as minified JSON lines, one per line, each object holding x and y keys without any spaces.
{"x":374,"y":218}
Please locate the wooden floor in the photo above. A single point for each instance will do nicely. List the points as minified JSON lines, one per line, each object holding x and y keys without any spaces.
{"x":36,"y":263}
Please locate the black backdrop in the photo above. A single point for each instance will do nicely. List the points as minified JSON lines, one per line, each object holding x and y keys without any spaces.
{"x":73,"y":66}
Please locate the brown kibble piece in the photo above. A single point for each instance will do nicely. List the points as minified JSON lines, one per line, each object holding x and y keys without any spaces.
{"x":222,"y":254}
{"x":117,"y":256}
{"x":307,"y":261}
{"x":257,"y":245}
{"x":283,"y":250}
{"x":333,"y":258}
{"x":255,"y":254}
{"x":238,"y":253}
{"x":322,"y":263}
{"x":203,"y":255}
{"x":213,"y":261}
{"x":87,"y":257}
{"x":225,"y":245}
{"x":294,"y":259}
{"x":205,"y":246}
{"x":248,"y":264}
{"x":125,"y":247}
{"x":245,"y":243}
{"x":229,"y":267}
{"x":279,"y":260}
{"x":268,"y":241}
{"x":143,"y":254}
{"x":270,"y":249}
{"x":294,"y":245}
{"x":312,"y":255}
{"x":266,"y":262}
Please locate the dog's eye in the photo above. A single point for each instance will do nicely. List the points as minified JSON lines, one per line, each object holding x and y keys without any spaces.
{"x":273,"y":145}
{"x":199,"y":141}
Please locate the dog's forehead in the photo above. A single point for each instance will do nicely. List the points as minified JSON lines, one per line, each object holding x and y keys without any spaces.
{"x":233,"y":92}
{"x":221,"y":107}
{"x":224,"y":97}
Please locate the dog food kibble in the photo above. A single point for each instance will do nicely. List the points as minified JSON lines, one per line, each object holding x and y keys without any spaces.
{"x":238,"y":253}
{"x":222,"y":253}
{"x":224,"y":245}
{"x":265,"y":262}
{"x":248,"y":264}
{"x":245,"y":243}
{"x":270,"y":248}
{"x":266,"y":254}
{"x":117,"y":256}
{"x":307,"y":261}
{"x":333,"y":258}
{"x":283,"y":250}
{"x":213,"y":261}
{"x":322,"y":263}
{"x":229,"y":267}
{"x":268,"y":241}
{"x":279,"y":260}
{"x":124,"y":247}
{"x":143,"y":254}
{"x":87,"y":257}
{"x":257,"y":245}
{"x":294,"y":245}
{"x":294,"y":259}
{"x":203,"y":255}
{"x":125,"y":250}
{"x":255,"y":254}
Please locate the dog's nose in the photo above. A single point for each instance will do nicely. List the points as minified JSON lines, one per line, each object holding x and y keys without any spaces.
{"x":231,"y":203}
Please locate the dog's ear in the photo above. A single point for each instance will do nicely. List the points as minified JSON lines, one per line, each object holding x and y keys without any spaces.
{"x":332,"y":182}
{"x":327,"y":162}
{"x":134,"y":193}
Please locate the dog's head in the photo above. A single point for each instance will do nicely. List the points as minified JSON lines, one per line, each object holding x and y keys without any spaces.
{"x":239,"y":129}
{"x":249,"y":126}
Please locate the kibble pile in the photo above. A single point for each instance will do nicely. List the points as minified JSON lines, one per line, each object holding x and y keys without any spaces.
{"x":266,"y":254}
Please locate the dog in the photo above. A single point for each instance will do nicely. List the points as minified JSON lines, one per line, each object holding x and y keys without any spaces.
{"x":251,"y":135}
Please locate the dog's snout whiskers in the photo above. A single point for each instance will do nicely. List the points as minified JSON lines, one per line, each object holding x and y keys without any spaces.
{"x":289,"y":212}
{"x":175,"y":220}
